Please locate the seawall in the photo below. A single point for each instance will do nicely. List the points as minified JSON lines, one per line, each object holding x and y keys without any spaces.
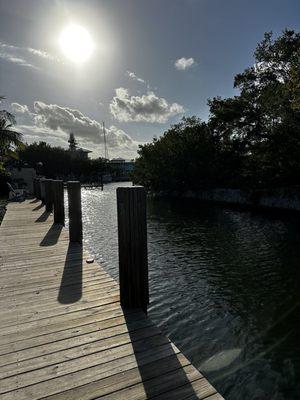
{"x":281,"y":198}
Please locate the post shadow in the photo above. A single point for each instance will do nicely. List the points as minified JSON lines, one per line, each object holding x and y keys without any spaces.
{"x":38,"y":207}
{"x":52,"y":236}
{"x":43,"y":217}
{"x":159,"y":366}
{"x":70,"y":290}
{"x":34,"y":201}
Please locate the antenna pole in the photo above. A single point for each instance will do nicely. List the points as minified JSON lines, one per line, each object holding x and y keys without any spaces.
{"x":105,"y":144}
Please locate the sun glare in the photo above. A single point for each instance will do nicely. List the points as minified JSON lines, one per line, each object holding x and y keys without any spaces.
{"x":76,"y":43}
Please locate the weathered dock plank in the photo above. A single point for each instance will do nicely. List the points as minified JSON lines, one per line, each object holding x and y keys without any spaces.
{"x":63,"y":333}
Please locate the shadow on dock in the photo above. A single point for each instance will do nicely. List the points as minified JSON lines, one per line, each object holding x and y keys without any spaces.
{"x":52,"y":236}
{"x":34,"y":201}
{"x":43,"y":217}
{"x":70,"y":290}
{"x":159,"y":365}
{"x":38,"y":207}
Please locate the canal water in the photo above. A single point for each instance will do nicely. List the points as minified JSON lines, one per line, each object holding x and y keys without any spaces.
{"x":224,"y":286}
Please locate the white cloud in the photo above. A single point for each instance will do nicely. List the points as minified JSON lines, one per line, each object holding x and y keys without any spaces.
{"x":67,"y":119}
{"x":146,"y":108}
{"x":16,"y":60}
{"x":41,"y":53}
{"x":53,"y":123}
{"x":24,"y":56}
{"x":20,"y":108}
{"x":38,"y":133}
{"x":184,"y":63}
{"x":133,"y":76}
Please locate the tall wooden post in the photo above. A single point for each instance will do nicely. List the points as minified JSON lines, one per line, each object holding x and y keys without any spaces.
{"x":133,"y":259}
{"x":75,"y":216}
{"x":35,"y":187}
{"x":48,"y":195}
{"x":38,"y":189}
{"x":43,"y":189}
{"x":58,"y":202}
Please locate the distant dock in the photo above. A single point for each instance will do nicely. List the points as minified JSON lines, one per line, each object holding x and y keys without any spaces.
{"x":90,"y":185}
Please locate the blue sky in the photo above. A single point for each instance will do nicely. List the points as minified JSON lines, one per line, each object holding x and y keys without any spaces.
{"x":130,"y":80}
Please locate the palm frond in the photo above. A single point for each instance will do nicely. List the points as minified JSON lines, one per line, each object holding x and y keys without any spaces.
{"x":9,"y":136}
{"x":11,"y":154}
{"x":6,"y":118}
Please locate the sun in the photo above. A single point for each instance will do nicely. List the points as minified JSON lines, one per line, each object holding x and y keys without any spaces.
{"x":76,"y":43}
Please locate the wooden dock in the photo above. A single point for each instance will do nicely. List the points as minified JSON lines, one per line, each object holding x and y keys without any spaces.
{"x":63,"y":334}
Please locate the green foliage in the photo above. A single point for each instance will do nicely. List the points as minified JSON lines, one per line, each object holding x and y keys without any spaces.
{"x":164,"y":163}
{"x":10,"y":142}
{"x":250,"y":140}
{"x":59,"y":163}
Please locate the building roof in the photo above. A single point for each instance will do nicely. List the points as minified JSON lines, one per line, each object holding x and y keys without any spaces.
{"x":117,"y":159}
{"x":84,"y":150}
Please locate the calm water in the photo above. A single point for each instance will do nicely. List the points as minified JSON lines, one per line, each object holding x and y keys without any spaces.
{"x":224,"y":287}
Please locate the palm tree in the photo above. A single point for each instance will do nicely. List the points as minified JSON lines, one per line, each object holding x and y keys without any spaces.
{"x":8,"y":137}
{"x":10,"y":140}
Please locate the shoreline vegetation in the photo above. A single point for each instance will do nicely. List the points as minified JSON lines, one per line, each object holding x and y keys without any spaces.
{"x":248,"y":150}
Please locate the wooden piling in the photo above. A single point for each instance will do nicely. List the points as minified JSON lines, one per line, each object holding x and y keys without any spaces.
{"x":35,"y":189}
{"x":43,"y":189}
{"x":75,"y":215}
{"x":38,"y":189}
{"x":48,"y":195}
{"x":133,"y":259}
{"x":58,"y":202}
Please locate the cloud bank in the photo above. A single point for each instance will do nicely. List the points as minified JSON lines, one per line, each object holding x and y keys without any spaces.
{"x":146,"y":108}
{"x":20,"y":108}
{"x":184,"y":63}
{"x":53,"y":123}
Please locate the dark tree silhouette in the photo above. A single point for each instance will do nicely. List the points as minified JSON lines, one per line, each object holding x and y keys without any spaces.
{"x":250,"y":140}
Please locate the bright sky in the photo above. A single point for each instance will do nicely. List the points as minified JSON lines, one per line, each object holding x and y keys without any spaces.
{"x":138,"y":65}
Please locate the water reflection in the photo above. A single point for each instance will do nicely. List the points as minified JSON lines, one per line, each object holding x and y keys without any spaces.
{"x":221,"y":360}
{"x":224,"y":286}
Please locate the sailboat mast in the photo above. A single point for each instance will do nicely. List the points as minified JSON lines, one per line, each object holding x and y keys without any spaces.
{"x":105,"y":144}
